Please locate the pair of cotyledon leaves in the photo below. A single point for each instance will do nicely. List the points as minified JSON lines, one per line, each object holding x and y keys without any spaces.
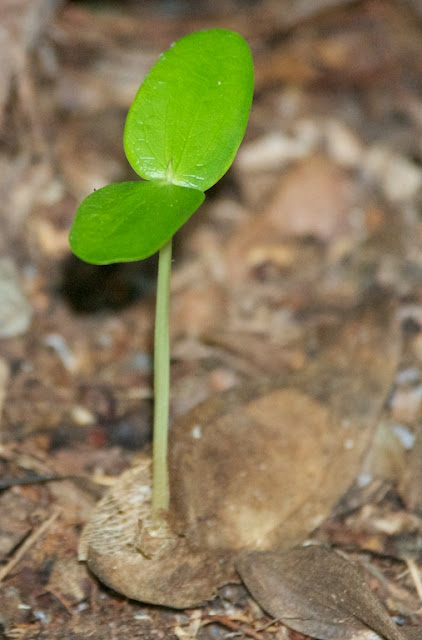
{"x":181,"y":135}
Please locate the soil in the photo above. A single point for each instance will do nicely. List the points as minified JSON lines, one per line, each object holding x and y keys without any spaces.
{"x":319,"y":212}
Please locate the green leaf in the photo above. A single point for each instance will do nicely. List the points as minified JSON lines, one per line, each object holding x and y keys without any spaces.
{"x":130,"y":221}
{"x":182,"y":133}
{"x":190,"y":114}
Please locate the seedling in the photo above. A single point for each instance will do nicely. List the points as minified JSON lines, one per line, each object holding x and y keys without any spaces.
{"x":181,"y":135}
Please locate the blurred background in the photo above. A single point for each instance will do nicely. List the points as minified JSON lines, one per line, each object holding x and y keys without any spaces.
{"x":321,"y":206}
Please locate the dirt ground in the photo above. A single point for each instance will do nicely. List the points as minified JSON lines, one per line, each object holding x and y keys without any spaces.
{"x":320,"y":210}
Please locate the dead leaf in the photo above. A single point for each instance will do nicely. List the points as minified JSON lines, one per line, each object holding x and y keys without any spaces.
{"x":13,"y":530}
{"x":318,"y":592}
{"x":386,"y":458}
{"x":260,"y":466}
{"x":322,"y":210}
{"x":413,"y":633}
{"x":177,"y":577}
{"x":313,"y":199}
{"x":411,"y":484}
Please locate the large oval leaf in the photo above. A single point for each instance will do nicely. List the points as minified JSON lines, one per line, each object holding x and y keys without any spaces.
{"x":190,"y":114}
{"x":130,"y":221}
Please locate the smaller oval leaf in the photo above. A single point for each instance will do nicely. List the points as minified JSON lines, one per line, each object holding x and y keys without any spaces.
{"x":190,"y":114}
{"x":130,"y":221}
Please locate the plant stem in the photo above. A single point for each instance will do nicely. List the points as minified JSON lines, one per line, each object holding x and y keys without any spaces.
{"x":160,"y":483}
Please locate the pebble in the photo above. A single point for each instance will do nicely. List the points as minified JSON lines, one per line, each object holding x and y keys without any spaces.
{"x":342,"y":144}
{"x":273,"y":151}
{"x":400,"y":179}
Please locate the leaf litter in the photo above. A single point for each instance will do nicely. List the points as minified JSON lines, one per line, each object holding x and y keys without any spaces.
{"x":385,"y":125}
{"x":233,"y":456}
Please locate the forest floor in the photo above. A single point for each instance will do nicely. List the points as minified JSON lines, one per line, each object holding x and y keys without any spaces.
{"x":320,"y":209}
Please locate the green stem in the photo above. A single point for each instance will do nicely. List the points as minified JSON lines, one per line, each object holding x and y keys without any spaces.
{"x":160,"y":483}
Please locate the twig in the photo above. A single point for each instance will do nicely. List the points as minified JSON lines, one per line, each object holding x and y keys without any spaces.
{"x":29,"y":542}
{"x":7,"y":483}
{"x":415,"y":575}
{"x":270,"y":624}
{"x":230,"y":624}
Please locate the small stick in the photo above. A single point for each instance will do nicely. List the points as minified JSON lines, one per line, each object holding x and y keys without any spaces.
{"x":7,"y":483}
{"x":415,"y":575}
{"x":270,"y":624}
{"x":235,"y":626}
{"x":29,"y":542}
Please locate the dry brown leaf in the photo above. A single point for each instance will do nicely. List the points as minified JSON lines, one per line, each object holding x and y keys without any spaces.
{"x":413,"y":633}
{"x":313,"y":199}
{"x":178,"y":577}
{"x":260,"y":466}
{"x":411,"y":482}
{"x":321,"y":210}
{"x":317,"y":592}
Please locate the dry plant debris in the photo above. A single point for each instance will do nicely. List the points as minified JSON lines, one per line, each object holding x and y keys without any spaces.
{"x":318,"y":592}
{"x":260,"y":286}
{"x":232,"y":458}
